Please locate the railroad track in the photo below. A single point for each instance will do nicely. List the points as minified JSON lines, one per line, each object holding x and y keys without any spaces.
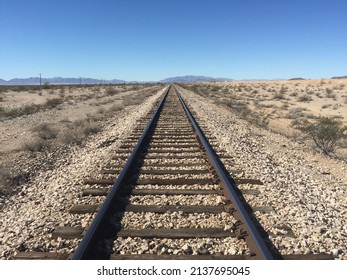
{"x":166,"y":194}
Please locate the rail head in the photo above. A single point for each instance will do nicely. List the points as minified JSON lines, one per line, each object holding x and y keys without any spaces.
{"x":251,"y":234}
{"x":84,"y":247}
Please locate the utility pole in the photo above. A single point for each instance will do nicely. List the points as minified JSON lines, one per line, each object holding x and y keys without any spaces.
{"x":40,"y":82}
{"x":80,"y":80}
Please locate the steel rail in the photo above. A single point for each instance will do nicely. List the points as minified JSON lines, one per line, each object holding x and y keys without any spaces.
{"x":248,"y":230}
{"x":84,"y":249}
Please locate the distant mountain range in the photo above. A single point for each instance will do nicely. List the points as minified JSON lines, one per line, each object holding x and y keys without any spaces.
{"x":178,"y":79}
{"x":188,"y":79}
{"x":341,"y":77}
{"x":296,"y":79}
{"x":58,"y":80}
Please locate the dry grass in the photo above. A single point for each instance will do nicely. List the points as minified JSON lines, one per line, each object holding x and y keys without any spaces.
{"x":6,"y":182}
{"x":9,"y":181}
{"x":76,"y":133}
{"x":29,"y":109}
{"x":36,"y":145}
{"x":304,"y":98}
{"x":46,"y":131}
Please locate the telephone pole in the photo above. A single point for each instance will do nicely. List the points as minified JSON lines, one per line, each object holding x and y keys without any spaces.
{"x":40,"y":81}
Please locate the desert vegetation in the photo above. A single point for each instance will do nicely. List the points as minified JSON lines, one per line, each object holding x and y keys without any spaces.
{"x":327,"y":133}
{"x":38,"y":126}
{"x":314,"y":110}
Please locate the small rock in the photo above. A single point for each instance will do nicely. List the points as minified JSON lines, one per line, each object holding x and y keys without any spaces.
{"x":232,"y":251}
{"x":187,"y":249}
{"x":227,"y":227}
{"x":335,"y":252}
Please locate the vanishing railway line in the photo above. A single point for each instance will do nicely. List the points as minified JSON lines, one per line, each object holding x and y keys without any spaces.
{"x":167,"y":195}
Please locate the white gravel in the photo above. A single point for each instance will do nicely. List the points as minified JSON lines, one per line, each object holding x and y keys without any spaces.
{"x":196,"y":246}
{"x":177,"y":199}
{"x":176,"y":220}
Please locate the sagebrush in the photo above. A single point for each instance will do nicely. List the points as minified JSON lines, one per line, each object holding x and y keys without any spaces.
{"x":327,"y":133}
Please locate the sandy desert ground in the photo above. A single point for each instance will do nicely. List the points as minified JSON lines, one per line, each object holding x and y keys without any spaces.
{"x":281,"y":102}
{"x":38,"y":123}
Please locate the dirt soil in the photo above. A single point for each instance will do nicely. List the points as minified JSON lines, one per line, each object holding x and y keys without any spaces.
{"x":78,"y":112}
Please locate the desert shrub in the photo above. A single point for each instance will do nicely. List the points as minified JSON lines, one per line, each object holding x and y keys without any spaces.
{"x":6,"y":112}
{"x":29,"y":109}
{"x":239,"y":107}
{"x":138,"y":99}
{"x":116,"y":107}
{"x":46,"y":85}
{"x":112,"y":91}
{"x":6,"y":181}
{"x":72,"y":137}
{"x":101,"y":111}
{"x":324,"y":106}
{"x":329,"y":93}
{"x":294,"y":93}
{"x":336,"y":106}
{"x":77,"y":132}
{"x":65,"y":120}
{"x":36,"y":145}
{"x":326,"y":132}
{"x":260,"y":119}
{"x":295,"y":113}
{"x":46,"y":131}
{"x":135,"y":87}
{"x":131,"y":101}
{"x":10,"y":179}
{"x":14,"y":112}
{"x":278,"y":95}
{"x":304,"y":98}
{"x":96,"y":117}
{"x":53,"y":103}
{"x":283,"y":90}
{"x":91,"y":128}
{"x":198,"y":89}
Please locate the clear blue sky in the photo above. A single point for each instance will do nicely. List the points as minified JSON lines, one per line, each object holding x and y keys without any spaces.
{"x":154,"y":39}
